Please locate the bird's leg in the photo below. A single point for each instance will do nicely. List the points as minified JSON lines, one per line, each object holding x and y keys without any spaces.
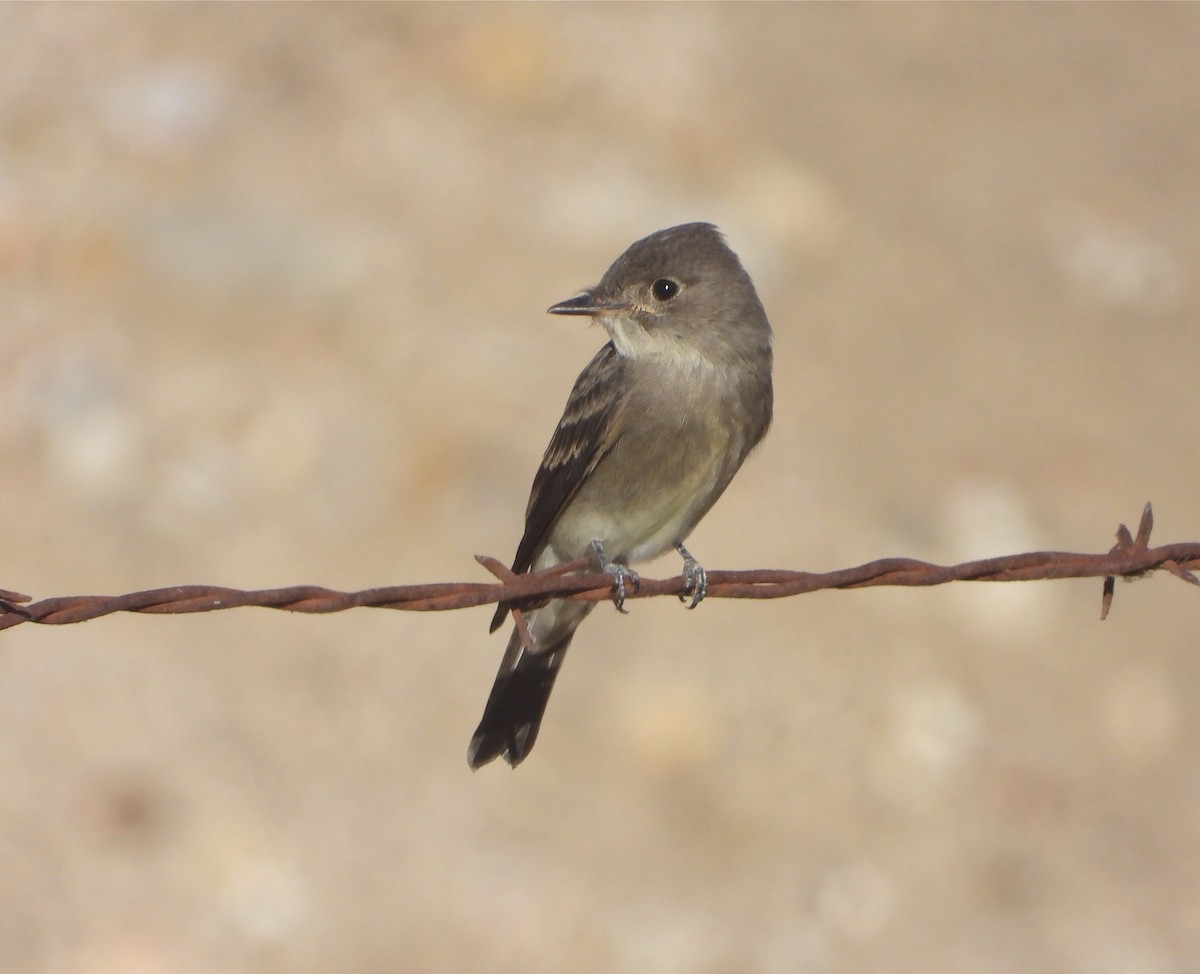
{"x":620,"y":575}
{"x":695,"y":578}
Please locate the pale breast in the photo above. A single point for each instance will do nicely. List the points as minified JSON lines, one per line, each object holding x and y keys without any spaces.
{"x":681,"y":443}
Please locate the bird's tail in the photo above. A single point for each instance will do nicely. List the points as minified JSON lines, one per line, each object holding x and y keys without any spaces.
{"x":514,"y":711}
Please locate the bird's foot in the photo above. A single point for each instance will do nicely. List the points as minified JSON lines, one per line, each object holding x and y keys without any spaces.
{"x":622,"y":575}
{"x":695,"y":578}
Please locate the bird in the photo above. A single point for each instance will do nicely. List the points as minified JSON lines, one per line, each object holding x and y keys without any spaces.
{"x":654,"y":429}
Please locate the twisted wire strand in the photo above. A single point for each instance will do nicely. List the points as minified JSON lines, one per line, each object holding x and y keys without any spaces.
{"x":1131,"y":557}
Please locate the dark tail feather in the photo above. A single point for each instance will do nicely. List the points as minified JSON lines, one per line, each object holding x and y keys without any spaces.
{"x":514,"y":711}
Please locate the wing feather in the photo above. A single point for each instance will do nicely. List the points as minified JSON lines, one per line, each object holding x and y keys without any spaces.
{"x":585,"y":433}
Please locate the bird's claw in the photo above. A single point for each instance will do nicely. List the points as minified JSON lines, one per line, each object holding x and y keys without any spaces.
{"x":622,"y":575}
{"x":695,"y":579}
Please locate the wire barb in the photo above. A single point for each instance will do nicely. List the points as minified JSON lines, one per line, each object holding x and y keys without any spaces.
{"x":1131,"y":557}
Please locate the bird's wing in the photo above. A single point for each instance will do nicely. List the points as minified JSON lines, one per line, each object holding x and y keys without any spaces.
{"x":589,"y":427}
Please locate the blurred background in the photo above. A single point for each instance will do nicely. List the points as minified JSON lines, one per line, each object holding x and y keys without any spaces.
{"x":272,"y":282}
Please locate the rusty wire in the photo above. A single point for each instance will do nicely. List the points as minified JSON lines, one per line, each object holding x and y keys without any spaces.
{"x":1131,"y":557}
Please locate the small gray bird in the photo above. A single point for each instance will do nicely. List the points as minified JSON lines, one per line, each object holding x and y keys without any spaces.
{"x":655,"y":428}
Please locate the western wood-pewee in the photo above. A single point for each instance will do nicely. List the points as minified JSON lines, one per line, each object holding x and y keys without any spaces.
{"x":655,"y":428}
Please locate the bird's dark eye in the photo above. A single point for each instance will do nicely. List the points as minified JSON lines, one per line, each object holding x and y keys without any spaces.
{"x":664,"y":289}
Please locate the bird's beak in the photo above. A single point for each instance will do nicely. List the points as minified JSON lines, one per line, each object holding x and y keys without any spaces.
{"x":587,"y":303}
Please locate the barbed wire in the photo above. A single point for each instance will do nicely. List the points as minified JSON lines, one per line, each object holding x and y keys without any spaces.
{"x":1131,"y":557}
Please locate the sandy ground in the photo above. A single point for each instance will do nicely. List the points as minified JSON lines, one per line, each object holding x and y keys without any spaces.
{"x":271,"y":286}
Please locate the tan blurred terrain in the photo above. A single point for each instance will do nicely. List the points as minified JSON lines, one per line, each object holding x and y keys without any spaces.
{"x":272,"y":282}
